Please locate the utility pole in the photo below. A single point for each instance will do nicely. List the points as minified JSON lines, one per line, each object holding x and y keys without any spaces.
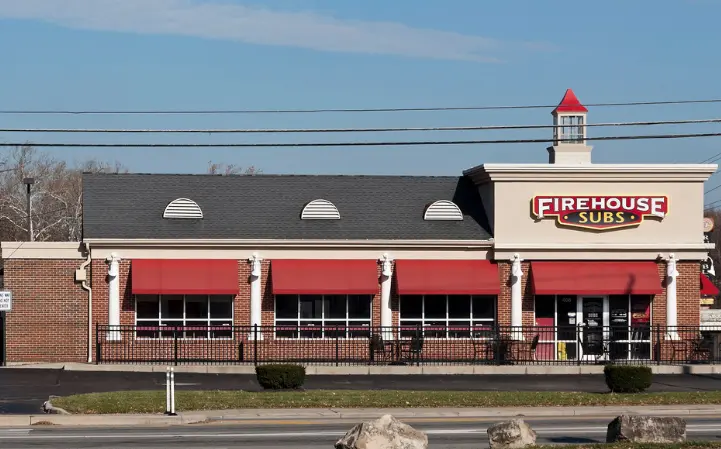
{"x":29,"y":182}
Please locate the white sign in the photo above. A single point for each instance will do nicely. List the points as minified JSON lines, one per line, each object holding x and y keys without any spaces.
{"x":6,"y":301}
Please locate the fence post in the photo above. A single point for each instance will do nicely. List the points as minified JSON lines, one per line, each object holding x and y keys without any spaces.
{"x":175,"y":346}
{"x":337,"y":349}
{"x":657,"y":349}
{"x":97,"y":344}
{"x":255,"y":344}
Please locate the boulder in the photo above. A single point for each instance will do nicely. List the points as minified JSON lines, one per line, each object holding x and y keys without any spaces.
{"x":646,"y":429}
{"x":511,"y":435}
{"x":384,"y":433}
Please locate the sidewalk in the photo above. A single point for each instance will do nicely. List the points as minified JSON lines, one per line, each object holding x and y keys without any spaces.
{"x":281,"y":416}
{"x":371,"y":370}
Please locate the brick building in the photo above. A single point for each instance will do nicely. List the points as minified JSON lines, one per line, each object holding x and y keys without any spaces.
{"x":561,"y":253}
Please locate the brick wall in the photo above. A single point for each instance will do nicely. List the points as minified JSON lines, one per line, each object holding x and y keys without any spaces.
{"x":49,"y":320}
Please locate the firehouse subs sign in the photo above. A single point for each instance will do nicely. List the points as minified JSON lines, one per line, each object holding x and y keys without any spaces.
{"x":600,"y":212}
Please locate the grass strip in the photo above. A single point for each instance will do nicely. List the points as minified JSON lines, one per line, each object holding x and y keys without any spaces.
{"x":154,"y":401}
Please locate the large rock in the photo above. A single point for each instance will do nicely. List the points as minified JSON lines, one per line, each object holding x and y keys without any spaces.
{"x":384,"y":433}
{"x":646,"y":429}
{"x":511,"y":435}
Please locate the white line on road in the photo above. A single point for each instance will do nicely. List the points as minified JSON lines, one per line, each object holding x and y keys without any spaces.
{"x":160,"y":435}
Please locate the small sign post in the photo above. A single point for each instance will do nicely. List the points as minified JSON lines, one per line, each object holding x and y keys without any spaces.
{"x":6,"y":301}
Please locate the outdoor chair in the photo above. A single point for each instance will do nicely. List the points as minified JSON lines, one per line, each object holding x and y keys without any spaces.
{"x":413,"y":349}
{"x":527,"y":353}
{"x":378,"y":346}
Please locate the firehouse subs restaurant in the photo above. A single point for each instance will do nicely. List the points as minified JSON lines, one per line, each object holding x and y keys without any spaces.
{"x":561,"y":261}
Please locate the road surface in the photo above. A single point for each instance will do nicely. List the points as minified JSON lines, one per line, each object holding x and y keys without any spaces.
{"x":445,"y":433}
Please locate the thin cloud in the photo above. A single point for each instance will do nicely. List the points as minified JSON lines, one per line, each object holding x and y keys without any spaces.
{"x":255,"y":25}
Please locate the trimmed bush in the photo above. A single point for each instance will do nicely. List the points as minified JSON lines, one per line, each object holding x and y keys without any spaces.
{"x":627,"y":379}
{"x":280,"y":376}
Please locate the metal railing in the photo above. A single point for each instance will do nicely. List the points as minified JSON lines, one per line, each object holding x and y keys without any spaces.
{"x":407,"y":345}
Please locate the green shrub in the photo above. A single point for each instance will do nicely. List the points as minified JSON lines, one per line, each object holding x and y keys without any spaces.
{"x":280,"y":376}
{"x":627,"y":379}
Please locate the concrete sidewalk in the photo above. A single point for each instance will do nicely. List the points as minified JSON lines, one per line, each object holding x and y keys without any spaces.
{"x":371,"y":370}
{"x":293,"y":416}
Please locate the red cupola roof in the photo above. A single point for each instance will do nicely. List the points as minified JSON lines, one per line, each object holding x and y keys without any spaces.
{"x":569,"y":104}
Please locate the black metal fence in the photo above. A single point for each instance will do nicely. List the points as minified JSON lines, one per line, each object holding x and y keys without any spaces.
{"x":407,"y":345}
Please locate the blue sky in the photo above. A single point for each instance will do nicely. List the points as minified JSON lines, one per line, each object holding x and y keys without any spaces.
{"x":237,"y":54}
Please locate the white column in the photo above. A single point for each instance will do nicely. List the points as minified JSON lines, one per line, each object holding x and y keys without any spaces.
{"x":113,"y":295}
{"x":256,"y":299}
{"x":671,"y":320}
{"x":516,"y":297}
{"x":386,"y":312}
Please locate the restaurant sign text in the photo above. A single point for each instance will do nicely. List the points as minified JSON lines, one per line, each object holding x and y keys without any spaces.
{"x":600,"y":212}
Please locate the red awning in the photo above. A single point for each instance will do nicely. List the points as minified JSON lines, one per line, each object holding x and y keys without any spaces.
{"x":595,"y":278}
{"x":707,"y":287}
{"x":184,"y":277}
{"x":324,"y":277}
{"x":447,"y":277}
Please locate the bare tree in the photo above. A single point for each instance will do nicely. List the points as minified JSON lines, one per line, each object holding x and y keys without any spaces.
{"x":56,"y":196}
{"x":230,"y":169}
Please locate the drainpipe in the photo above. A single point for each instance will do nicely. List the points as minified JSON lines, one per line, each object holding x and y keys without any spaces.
{"x":81,"y":274}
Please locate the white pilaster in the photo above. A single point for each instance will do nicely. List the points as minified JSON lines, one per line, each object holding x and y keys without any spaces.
{"x":113,"y":296}
{"x":386,"y":312}
{"x":516,"y":298}
{"x":671,"y":314}
{"x":255,"y":295}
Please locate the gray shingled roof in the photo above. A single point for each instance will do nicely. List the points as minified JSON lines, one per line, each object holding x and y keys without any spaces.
{"x":269,"y":207}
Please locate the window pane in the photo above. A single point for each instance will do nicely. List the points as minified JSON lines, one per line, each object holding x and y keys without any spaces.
{"x":484,"y":307}
{"x":435,"y":306}
{"x":459,"y":307}
{"x":334,"y":306}
{"x":545,"y":306}
{"x":172,"y":306}
{"x":359,"y":307}
{"x":196,"y":307}
{"x":221,"y":307}
{"x":640,"y":310}
{"x":147,"y":307}
{"x":311,"y":306}
{"x":286,"y":306}
{"x":411,"y":306}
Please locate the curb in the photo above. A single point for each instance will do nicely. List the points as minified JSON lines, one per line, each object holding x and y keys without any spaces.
{"x":270,"y":415}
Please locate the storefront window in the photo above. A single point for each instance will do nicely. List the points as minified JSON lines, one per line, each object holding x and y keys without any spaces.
{"x":446,"y":316}
{"x":184,"y":316}
{"x":323,"y":316}
{"x":616,"y":327}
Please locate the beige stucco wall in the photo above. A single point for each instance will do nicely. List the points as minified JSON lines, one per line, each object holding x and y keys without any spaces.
{"x":516,"y":229}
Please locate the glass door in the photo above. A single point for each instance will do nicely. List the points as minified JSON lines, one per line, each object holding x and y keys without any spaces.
{"x":593,"y":321}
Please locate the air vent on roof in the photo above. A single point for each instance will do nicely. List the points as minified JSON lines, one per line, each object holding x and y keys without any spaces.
{"x":443,"y":210}
{"x":320,"y":210}
{"x":182,"y":208}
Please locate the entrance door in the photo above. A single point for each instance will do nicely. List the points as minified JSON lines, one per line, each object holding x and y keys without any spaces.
{"x":593,"y":321}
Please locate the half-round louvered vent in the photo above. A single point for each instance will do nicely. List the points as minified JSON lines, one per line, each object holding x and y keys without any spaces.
{"x":320,"y":210}
{"x":443,"y":210}
{"x":183,"y":208}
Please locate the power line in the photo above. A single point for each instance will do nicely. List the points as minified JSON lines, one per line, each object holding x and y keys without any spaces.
{"x":341,"y":110}
{"x":710,"y":205}
{"x":346,"y":144}
{"x":345,"y":130}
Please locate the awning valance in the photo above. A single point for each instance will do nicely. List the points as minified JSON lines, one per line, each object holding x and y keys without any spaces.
{"x":595,"y":278}
{"x":324,"y":277}
{"x":184,"y":277}
{"x":447,"y":277}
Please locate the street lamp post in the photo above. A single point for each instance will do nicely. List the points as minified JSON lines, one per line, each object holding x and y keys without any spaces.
{"x":29,"y":182}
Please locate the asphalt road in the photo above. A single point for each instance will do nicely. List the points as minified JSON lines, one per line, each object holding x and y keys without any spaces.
{"x":23,"y":390}
{"x":442,"y":433}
